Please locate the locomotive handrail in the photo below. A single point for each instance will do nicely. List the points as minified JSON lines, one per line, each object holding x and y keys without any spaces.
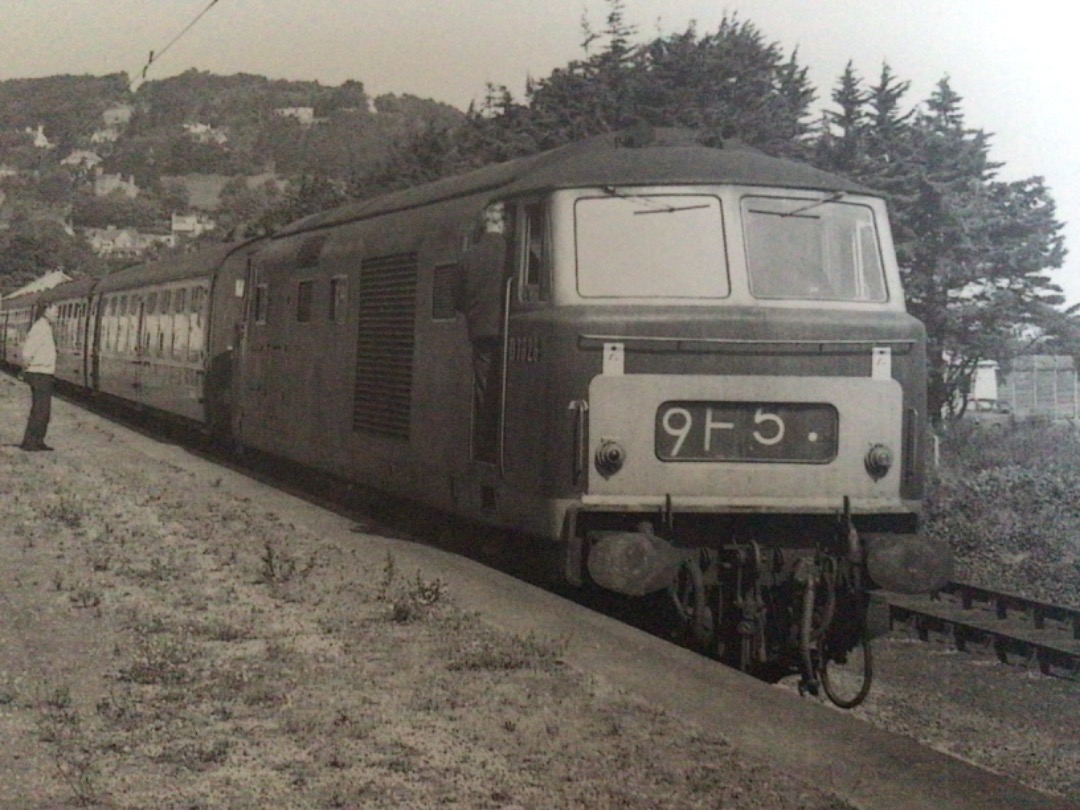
{"x":600,"y":339}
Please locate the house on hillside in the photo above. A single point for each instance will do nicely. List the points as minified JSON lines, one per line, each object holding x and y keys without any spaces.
{"x":204,"y":133}
{"x":204,"y":190}
{"x":305,"y":115}
{"x":45,"y":282}
{"x":190,"y":226}
{"x":106,"y":135}
{"x":40,"y":140}
{"x":113,"y":241}
{"x":118,"y":115}
{"x":82,"y":158}
{"x":105,"y":184}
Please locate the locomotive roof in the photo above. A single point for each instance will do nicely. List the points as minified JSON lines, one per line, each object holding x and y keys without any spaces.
{"x":670,"y":157}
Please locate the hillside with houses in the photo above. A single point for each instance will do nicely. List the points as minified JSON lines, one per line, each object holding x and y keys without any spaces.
{"x":94,"y":175}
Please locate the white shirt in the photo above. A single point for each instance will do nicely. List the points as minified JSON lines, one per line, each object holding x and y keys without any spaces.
{"x":39,"y":349}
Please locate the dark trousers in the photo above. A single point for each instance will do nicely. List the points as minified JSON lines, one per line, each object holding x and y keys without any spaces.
{"x":487,"y":398}
{"x":41,"y":386}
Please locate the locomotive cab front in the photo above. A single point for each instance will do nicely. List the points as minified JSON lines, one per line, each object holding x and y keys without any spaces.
{"x":727,"y":392}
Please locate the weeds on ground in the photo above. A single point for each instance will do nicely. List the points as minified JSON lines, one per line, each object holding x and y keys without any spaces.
{"x":98,"y":553}
{"x":496,"y":652}
{"x":218,"y":629}
{"x":120,"y":710}
{"x":67,"y":511}
{"x":160,"y":658}
{"x":198,"y":756}
{"x":279,"y":567}
{"x":74,"y":755}
{"x":85,"y":596}
{"x":409,"y":601}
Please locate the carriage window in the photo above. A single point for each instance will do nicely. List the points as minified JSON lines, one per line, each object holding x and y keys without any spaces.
{"x":262,"y":302}
{"x":531,"y":236}
{"x":819,"y":249}
{"x":151,"y":303}
{"x":181,"y":300}
{"x":305,"y":291}
{"x":650,"y":246}
{"x":166,"y":302}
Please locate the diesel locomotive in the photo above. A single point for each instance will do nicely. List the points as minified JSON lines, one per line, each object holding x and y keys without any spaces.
{"x":683,"y":369}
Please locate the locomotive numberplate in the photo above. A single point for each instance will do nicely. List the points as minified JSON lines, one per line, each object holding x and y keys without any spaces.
{"x":747,"y":431}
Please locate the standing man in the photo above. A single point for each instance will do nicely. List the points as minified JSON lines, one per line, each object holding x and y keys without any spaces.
{"x":39,"y":366}
{"x":485,"y":283}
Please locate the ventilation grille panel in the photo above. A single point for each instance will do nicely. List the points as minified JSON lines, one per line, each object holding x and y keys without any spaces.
{"x":382,"y":399}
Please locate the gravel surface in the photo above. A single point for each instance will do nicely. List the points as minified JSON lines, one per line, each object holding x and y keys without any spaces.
{"x":166,"y":641}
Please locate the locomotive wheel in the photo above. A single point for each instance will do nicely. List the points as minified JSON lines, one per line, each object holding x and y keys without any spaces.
{"x":846,"y":680}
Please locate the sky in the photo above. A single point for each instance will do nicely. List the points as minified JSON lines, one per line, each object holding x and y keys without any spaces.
{"x":1009,"y":61}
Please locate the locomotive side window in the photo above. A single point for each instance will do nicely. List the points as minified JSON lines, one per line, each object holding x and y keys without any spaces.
{"x":531,"y":250}
{"x":262,"y":302}
{"x":650,"y":246}
{"x":305,"y":293}
{"x":339,"y":299}
{"x":812,"y":249}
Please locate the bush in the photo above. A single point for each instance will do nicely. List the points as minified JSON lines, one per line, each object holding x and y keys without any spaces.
{"x":1008,"y":502}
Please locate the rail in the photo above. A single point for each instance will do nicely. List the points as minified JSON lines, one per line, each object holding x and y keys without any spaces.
{"x":1015,"y":626}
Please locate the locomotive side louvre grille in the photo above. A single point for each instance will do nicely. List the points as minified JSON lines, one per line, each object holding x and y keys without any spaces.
{"x":382,"y":396}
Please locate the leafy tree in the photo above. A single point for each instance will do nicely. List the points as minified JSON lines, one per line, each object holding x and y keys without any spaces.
{"x":69,"y":107}
{"x":32,"y":248}
{"x":173,"y":198}
{"x":116,"y":209}
{"x":245,"y":211}
{"x":313,"y":193}
{"x":973,"y":250}
{"x":727,"y":84}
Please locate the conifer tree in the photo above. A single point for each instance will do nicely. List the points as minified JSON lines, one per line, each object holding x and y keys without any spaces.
{"x":973,"y":250}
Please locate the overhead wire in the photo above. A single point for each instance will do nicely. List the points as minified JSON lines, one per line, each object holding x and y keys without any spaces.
{"x":155,"y":55}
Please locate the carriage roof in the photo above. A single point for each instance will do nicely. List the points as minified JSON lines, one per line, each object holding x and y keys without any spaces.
{"x":197,"y":264}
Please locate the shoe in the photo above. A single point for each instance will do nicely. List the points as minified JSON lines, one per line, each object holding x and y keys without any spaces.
{"x":34,"y":448}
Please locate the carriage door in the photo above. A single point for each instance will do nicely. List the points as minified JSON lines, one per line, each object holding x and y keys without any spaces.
{"x":257,"y":360}
{"x":141,"y":340}
{"x":94,"y":334}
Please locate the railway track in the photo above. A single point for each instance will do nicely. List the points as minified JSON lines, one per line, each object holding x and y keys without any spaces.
{"x":1016,"y":628}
